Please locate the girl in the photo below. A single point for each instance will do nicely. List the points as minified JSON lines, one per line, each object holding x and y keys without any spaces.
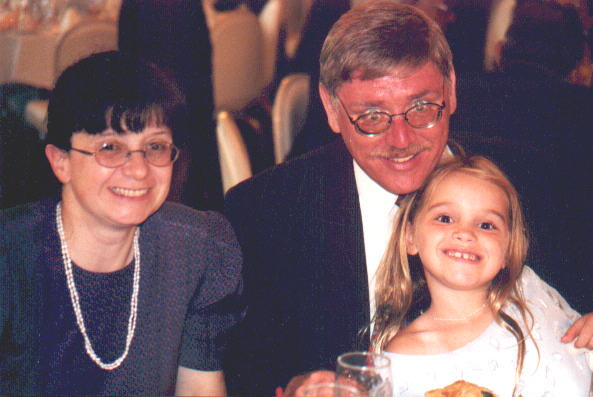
{"x":458,"y":248}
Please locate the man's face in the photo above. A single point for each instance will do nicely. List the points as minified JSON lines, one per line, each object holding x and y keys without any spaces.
{"x":400,"y":158}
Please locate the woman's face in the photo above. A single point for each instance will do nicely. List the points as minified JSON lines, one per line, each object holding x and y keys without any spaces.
{"x":123,"y":196}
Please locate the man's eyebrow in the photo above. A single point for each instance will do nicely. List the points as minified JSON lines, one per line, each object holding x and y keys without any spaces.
{"x":422,"y":94}
{"x":381,"y":102}
{"x":369,"y":104}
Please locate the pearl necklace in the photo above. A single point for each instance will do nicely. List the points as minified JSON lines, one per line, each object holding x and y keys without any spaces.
{"x":472,"y":314}
{"x":74,"y":297}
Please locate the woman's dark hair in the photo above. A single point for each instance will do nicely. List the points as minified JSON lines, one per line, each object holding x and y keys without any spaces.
{"x":113,"y":90}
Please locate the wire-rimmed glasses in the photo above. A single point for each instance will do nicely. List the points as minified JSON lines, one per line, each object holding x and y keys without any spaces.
{"x":113,"y":155}
{"x":375,"y":122}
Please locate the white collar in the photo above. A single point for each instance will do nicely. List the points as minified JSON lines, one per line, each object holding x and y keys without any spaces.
{"x":377,"y":208}
{"x":370,"y":192}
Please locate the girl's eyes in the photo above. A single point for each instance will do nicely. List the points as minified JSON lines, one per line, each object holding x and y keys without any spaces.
{"x":444,"y":219}
{"x":482,"y":225}
{"x":487,"y":226}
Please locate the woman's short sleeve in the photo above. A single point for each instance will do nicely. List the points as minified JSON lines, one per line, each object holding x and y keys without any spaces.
{"x":214,"y":307}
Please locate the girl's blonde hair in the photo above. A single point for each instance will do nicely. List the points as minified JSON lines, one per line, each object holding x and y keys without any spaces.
{"x":401,"y":292}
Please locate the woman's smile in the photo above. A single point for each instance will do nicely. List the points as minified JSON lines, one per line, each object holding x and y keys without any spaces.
{"x":120,"y":191}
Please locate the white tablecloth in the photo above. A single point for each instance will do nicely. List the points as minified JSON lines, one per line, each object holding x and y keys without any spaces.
{"x":30,"y":57}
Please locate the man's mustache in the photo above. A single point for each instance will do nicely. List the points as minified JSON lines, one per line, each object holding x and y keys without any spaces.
{"x":393,"y":152}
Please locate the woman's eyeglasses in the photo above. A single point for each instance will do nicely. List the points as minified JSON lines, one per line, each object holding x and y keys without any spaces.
{"x":113,"y":155}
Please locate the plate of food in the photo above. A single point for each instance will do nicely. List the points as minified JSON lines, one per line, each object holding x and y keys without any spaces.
{"x":460,"y":388}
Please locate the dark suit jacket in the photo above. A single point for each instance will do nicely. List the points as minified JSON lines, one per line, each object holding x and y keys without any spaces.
{"x":300,"y":229}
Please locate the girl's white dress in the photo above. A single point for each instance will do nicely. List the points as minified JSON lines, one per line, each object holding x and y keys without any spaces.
{"x":490,"y":360}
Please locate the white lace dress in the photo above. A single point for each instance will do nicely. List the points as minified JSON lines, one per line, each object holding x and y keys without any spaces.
{"x":490,"y":360}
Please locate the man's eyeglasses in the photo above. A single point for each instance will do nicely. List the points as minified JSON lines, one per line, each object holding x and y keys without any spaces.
{"x":114,"y":154}
{"x":374,"y":122}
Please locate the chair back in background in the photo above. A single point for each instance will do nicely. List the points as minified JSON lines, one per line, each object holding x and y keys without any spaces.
{"x":236,"y":58}
{"x":289,"y":112}
{"x":232,"y":152}
{"x":79,"y":41}
{"x":82,"y":40}
{"x":271,"y":18}
{"x":296,"y":13}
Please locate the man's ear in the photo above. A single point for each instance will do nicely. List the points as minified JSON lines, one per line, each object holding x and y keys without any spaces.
{"x":59,"y":162}
{"x":411,"y":248}
{"x":330,"y":110}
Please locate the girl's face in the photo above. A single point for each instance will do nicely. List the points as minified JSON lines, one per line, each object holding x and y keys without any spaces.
{"x":461,"y":233}
{"x":124,"y":196}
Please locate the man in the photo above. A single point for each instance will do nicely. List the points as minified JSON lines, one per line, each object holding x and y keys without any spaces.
{"x":313,"y":230}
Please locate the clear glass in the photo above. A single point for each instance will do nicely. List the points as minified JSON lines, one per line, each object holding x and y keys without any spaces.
{"x":331,"y":389}
{"x":367,"y":371}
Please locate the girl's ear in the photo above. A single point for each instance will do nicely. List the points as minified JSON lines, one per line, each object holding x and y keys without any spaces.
{"x":410,"y":240}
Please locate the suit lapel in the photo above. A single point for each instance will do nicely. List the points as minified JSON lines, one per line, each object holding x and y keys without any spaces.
{"x":339,"y":264}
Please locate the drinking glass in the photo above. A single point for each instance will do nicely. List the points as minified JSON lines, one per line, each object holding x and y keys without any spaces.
{"x":371,"y":372}
{"x":331,"y":389}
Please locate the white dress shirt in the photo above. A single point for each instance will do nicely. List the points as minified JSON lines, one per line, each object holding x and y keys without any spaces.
{"x":377,"y":207}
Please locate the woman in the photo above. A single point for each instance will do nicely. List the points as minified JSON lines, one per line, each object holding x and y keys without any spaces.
{"x":109,"y":290}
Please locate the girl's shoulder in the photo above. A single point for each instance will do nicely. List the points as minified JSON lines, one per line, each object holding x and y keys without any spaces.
{"x":542,"y":297}
{"x":410,"y":340}
{"x":425,"y":336}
